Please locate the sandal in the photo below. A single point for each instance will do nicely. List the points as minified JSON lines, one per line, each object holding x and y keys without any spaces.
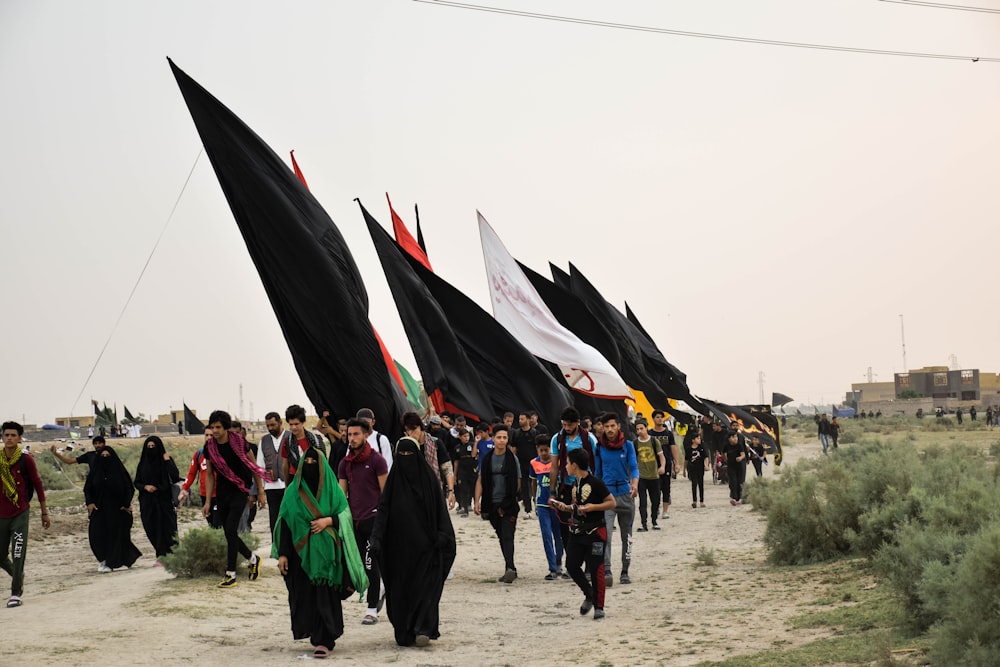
{"x":321,"y":652}
{"x":369,"y":620}
{"x":14,"y":601}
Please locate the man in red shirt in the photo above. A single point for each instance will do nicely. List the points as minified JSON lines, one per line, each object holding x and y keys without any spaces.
{"x":18,"y":481}
{"x":198,"y":467}
{"x":362,"y":474}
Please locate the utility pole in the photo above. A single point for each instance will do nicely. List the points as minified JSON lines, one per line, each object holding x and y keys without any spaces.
{"x":760,"y":384}
{"x":902,"y":335}
{"x":241,"y":400}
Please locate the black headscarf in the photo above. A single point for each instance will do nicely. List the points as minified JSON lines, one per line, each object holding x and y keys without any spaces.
{"x":310,"y":471}
{"x":109,"y":484}
{"x":152,"y":468}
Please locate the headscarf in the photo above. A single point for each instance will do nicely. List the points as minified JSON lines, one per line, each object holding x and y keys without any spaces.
{"x":238,"y":445}
{"x":109,"y":481}
{"x":6,"y":477}
{"x":152,"y":468}
{"x":314,"y":493}
{"x":416,"y":478}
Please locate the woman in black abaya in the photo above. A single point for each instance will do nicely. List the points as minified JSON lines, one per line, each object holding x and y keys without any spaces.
{"x":317,"y":553}
{"x":108,"y":492}
{"x":414,"y":542}
{"x":155,"y":478}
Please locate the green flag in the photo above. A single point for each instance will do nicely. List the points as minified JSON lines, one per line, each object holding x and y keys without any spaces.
{"x":414,"y":394}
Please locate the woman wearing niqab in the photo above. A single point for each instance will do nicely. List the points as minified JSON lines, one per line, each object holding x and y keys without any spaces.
{"x":155,"y":477}
{"x":317,"y":553}
{"x":414,"y":542}
{"x":108,"y":493}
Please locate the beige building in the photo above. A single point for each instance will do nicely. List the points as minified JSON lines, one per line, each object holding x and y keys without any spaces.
{"x":76,"y":422}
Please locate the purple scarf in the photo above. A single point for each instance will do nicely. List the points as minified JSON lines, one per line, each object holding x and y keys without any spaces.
{"x":238,"y":445}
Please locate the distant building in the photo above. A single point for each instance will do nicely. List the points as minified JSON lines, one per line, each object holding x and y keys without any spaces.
{"x":938,"y":382}
{"x":76,"y":422}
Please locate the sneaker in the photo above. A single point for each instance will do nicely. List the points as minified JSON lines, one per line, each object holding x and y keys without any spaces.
{"x":101,"y":566}
{"x":422,"y":640}
{"x":564,"y":575}
{"x":642,"y":529}
{"x":624,"y":579}
{"x":587,"y":605}
{"x":551,"y":576}
{"x":598,"y":614}
{"x":104,"y":569}
{"x":253,"y":571}
{"x":609,"y":580}
{"x":508,"y":577}
{"x":13,"y":601}
{"x":695,"y":505}
{"x":369,"y":620}
{"x":228,"y":582}
{"x":655,"y":527}
{"x":701,"y":504}
{"x":665,"y":515}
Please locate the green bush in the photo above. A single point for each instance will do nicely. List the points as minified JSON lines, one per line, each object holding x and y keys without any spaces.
{"x":202,"y":552}
{"x":968,"y":633}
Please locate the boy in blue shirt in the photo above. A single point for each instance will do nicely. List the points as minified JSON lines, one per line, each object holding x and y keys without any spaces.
{"x":548,"y":521}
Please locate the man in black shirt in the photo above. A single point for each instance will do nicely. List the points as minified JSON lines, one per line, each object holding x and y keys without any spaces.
{"x":736,"y":460}
{"x":522,"y":443}
{"x":588,"y":532}
{"x":230,"y":473}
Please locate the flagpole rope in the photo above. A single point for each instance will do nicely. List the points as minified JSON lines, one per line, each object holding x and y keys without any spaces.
{"x":702,"y":35}
{"x":138,"y":280}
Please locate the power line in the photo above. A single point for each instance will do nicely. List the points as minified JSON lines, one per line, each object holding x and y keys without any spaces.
{"x":137,"y":280}
{"x":942,"y":5}
{"x":702,"y":35}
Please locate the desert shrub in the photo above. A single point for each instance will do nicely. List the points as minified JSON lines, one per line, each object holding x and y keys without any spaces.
{"x":705,"y":556}
{"x":202,"y":552}
{"x":995,"y":449}
{"x":54,"y":479}
{"x":968,"y":633}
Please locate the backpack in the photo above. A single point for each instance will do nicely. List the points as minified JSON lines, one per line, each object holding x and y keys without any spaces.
{"x":378,"y":442}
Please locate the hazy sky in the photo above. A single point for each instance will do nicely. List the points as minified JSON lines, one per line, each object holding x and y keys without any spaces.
{"x":761,"y":208}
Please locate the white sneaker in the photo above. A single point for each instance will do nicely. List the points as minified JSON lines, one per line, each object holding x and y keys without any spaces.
{"x":103,"y":569}
{"x":528,"y":515}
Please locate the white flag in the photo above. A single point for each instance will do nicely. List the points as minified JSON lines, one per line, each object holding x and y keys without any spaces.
{"x":519,"y":309}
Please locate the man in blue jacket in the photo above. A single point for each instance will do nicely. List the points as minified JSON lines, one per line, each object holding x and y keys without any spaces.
{"x":615,"y":464}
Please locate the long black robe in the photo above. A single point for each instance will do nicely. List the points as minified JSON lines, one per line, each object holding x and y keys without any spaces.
{"x":159,"y":518}
{"x":109,"y":487}
{"x":414,"y":542}
{"x":316,"y":611}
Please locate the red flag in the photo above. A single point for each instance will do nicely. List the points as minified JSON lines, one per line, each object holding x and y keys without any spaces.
{"x":298,"y":172}
{"x":405,"y":239}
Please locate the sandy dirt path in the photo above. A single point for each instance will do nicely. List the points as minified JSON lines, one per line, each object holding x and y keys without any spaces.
{"x":674,"y":613}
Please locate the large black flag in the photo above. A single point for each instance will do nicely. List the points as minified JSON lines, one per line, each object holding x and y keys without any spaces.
{"x":670,"y":378}
{"x":633,"y":365}
{"x":450,"y":379}
{"x":749,"y":424}
{"x":514,"y":379}
{"x":128,"y":415}
{"x":192,"y":425}
{"x":308,"y":272}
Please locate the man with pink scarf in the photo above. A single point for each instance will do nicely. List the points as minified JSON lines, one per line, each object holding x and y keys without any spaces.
{"x":230,"y":473}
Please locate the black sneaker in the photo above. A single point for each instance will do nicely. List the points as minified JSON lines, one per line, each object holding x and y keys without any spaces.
{"x":655,"y":527}
{"x":508,"y":577}
{"x":624,"y":579}
{"x":598,"y":614}
{"x":642,"y":529}
{"x":253,"y":571}
{"x":228,"y":582}
{"x":587,"y":605}
{"x":564,"y":575}
{"x":609,"y":580}
{"x":551,"y":576}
